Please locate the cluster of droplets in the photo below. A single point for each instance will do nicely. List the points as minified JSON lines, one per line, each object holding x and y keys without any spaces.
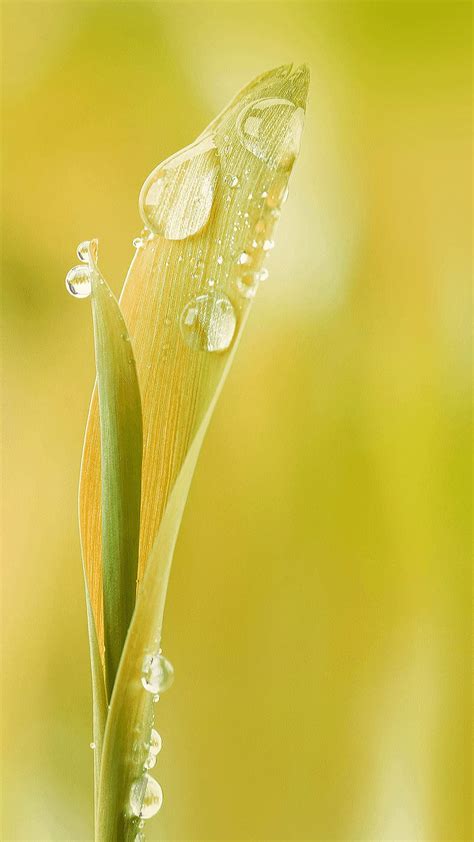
{"x":176,"y":202}
{"x":146,"y":795}
{"x":79,"y":278}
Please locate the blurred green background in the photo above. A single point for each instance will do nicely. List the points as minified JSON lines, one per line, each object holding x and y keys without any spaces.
{"x":318,"y":613}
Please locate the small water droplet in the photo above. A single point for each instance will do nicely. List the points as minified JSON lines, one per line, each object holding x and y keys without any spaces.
{"x":268,"y":245}
{"x":263,"y":274}
{"x":271,"y":130}
{"x":220,"y":260}
{"x":244,"y":259}
{"x":78,"y":282}
{"x":247,"y":284}
{"x":232,"y":180}
{"x":208,"y":322}
{"x":211,"y":282}
{"x":157,"y":674}
{"x":83,"y":251}
{"x":92,"y":746}
{"x":146,"y":797}
{"x":155,"y":742}
{"x":150,"y":761}
{"x":176,"y":198}
{"x":138,"y":242}
{"x":264,"y":194}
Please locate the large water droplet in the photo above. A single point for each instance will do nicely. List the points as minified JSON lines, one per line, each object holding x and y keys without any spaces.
{"x":146,"y":797}
{"x":208,"y":322}
{"x":157,"y":673}
{"x":79,"y":282}
{"x":177,"y":197}
{"x":271,"y":130}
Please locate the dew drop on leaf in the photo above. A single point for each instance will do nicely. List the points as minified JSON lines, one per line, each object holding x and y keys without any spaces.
{"x":208,"y":322}
{"x":83,"y":251}
{"x":88,"y":250}
{"x":155,"y":742}
{"x":157,"y":674}
{"x":247,"y":284}
{"x":176,"y":199}
{"x":150,"y":761}
{"x":78,"y":282}
{"x":271,"y":130}
{"x":146,"y":797}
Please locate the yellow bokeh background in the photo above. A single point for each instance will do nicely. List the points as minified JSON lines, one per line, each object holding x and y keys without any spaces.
{"x":318,"y":614}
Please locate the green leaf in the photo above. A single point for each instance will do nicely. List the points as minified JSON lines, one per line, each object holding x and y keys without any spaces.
{"x":121,"y":459}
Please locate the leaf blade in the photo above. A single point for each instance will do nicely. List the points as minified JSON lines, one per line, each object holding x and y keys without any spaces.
{"x":121,"y":457}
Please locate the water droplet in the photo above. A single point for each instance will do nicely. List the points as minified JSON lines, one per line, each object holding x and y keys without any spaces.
{"x":146,"y":797}
{"x":88,"y":251}
{"x":92,"y":746}
{"x":244,"y":259}
{"x":157,"y":674}
{"x":271,"y":130}
{"x":150,"y":761}
{"x":232,"y":180}
{"x":208,"y":322}
{"x":78,"y":282}
{"x":177,"y":197}
{"x":138,"y":242}
{"x":83,"y":251}
{"x":140,"y":837}
{"x":263,"y":274}
{"x":268,"y":245}
{"x":220,"y":260}
{"x":247,"y":284}
{"x":155,"y":742}
{"x":211,"y":282}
